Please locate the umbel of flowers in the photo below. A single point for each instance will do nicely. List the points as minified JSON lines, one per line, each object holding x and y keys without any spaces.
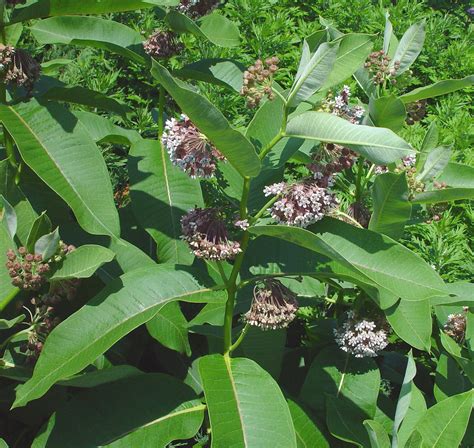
{"x":258,"y":80}
{"x":189,"y":149}
{"x":26,"y":270}
{"x":197,"y":8}
{"x":378,"y":64}
{"x":360,"y":337}
{"x":455,"y":326}
{"x":301,"y":204}
{"x":162,"y":44}
{"x":18,"y":67}
{"x":273,"y":306}
{"x":206,"y":234}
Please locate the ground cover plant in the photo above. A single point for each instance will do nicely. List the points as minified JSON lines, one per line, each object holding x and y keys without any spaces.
{"x":236,"y":225}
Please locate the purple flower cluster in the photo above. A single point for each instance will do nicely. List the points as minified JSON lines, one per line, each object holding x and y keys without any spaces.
{"x":258,"y":80}
{"x":378,"y":64}
{"x":197,"y":8}
{"x":162,"y":44}
{"x":273,"y":306}
{"x":455,"y":326}
{"x":26,"y":270}
{"x":18,"y":67}
{"x":189,"y":149}
{"x":13,"y":3}
{"x":340,"y":106}
{"x":301,"y":204}
{"x":206,"y":234}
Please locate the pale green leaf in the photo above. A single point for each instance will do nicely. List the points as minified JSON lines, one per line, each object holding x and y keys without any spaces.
{"x":409,"y":47}
{"x":437,"y":89}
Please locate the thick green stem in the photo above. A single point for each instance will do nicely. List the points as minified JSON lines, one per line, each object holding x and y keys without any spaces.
{"x":270,"y":145}
{"x":261,"y":212}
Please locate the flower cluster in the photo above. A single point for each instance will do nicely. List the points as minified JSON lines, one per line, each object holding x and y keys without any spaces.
{"x":189,"y":149}
{"x":360,"y":337}
{"x":162,"y":44}
{"x":258,"y":80}
{"x":378,"y":64}
{"x":340,"y":106}
{"x":408,"y":166}
{"x":206,"y":233}
{"x":197,"y":8}
{"x":340,"y":159}
{"x":455,"y":326}
{"x":416,"y":111}
{"x":301,"y":204}
{"x":273,"y":306}
{"x":26,"y":270}
{"x":18,"y":67}
{"x":13,"y":3}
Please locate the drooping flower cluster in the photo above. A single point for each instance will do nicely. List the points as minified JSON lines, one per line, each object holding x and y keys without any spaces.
{"x":18,"y":67}
{"x":456,"y":326}
{"x":331,"y":160}
{"x":340,"y":106}
{"x":26,"y":270}
{"x":189,"y":149}
{"x":301,"y":204}
{"x":162,"y":44}
{"x":205,"y":232}
{"x":258,"y":80}
{"x":273,"y":306}
{"x":378,"y":64}
{"x":197,"y":8}
{"x":360,"y":337}
{"x":416,"y":111}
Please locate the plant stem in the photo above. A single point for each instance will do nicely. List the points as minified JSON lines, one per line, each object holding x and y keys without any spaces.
{"x":260,"y":213}
{"x":360,"y":172}
{"x":7,"y":138}
{"x":161,"y":112}
{"x":270,"y":145}
{"x":350,"y":218}
{"x":240,"y":338}
{"x":4,"y":303}
{"x":7,"y":341}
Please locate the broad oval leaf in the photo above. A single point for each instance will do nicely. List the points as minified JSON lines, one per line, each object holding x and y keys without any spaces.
{"x":409,"y":47}
{"x":58,"y":149}
{"x":308,"y":434}
{"x":122,"y":306}
{"x":437,"y":89}
{"x":91,"y":32}
{"x":457,"y":175}
{"x":41,"y":226}
{"x":161,"y":194}
{"x":443,"y":195}
{"x":379,"y":145}
{"x":220,"y":30}
{"x":48,"y":244}
{"x":8,"y":217}
{"x":238,"y":150}
{"x":83,"y":262}
{"x":6,"y":287}
{"x":436,"y":161}
{"x":246,"y":406}
{"x":392,"y":209}
{"x":387,"y":112}
{"x":154,"y":407}
{"x":384,"y":263}
{"x":377,"y":434}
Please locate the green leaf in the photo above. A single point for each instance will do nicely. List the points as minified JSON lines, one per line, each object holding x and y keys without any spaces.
{"x":449,"y":380}
{"x":122,"y":306}
{"x":246,"y":406}
{"x":90,"y":32}
{"x":103,"y":130}
{"x":144,"y":410}
{"x":377,"y":435}
{"x":392,"y":209}
{"x":312,"y":76}
{"x":57,"y":148}
{"x":238,"y":150}
{"x":443,"y":195}
{"x":86,"y":97}
{"x":6,"y":287}
{"x":161,"y":194}
{"x":47,"y":245}
{"x":382,"y":262}
{"x":220,"y":30}
{"x":83,"y":262}
{"x":8,"y":217}
{"x":41,"y":226}
{"x":436,"y":161}
{"x":414,"y":414}
{"x":7,"y":324}
{"x":308,"y":434}
{"x":381,"y":146}
{"x":351,"y":54}
{"x":411,"y":320}
{"x":168,"y":327}
{"x":52,"y":66}
{"x":404,"y":399}
{"x":387,"y":112}
{"x":45,"y":8}
{"x":387,"y":34}
{"x":437,"y":89}
{"x":337,"y":374}
{"x":3,"y":444}
{"x":430,"y":141}
{"x":457,"y":175}
{"x":409,"y":47}
{"x":445,"y":423}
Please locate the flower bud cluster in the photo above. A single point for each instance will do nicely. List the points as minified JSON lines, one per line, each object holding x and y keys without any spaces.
{"x":18,"y":67}
{"x":455,"y":326}
{"x":258,"y":80}
{"x":408,"y":166}
{"x":205,"y":232}
{"x":440,"y":185}
{"x":197,"y":8}
{"x":416,"y":111}
{"x":27,"y":270}
{"x":340,"y":106}
{"x":360,"y":337}
{"x":274,"y":306}
{"x":162,"y":44}
{"x":378,"y":64}
{"x":340,"y":159}
{"x":301,"y":204}
{"x":189,"y":149}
